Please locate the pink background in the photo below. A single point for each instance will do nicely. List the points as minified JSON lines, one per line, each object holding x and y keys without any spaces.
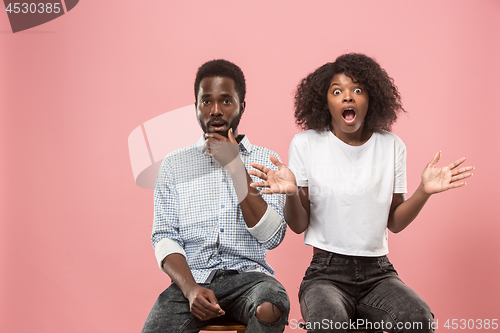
{"x":75,"y":252}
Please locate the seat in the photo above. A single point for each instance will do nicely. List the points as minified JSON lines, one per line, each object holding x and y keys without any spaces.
{"x":239,"y":328}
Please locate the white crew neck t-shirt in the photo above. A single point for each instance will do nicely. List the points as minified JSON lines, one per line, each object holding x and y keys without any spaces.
{"x":350,"y":189}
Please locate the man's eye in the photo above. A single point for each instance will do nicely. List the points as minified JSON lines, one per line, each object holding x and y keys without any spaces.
{"x":358,"y":90}
{"x":227,"y":101}
{"x":205,"y":102}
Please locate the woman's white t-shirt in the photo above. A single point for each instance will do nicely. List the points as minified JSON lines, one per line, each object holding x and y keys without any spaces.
{"x":350,"y":189}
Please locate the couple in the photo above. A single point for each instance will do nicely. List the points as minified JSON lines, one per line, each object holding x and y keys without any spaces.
{"x":214,"y":223}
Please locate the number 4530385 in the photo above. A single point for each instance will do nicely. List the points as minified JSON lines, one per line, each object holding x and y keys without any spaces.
{"x":33,"y":8}
{"x":471,"y":324}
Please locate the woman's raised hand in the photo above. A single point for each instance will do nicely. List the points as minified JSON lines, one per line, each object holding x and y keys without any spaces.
{"x":435,"y":180}
{"x":275,"y":181}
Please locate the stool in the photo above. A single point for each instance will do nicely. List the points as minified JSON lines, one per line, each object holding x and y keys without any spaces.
{"x":239,"y":328}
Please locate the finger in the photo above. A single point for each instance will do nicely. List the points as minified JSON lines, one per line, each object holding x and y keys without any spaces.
{"x":256,"y":166}
{"x":260,"y":167}
{"x":435,"y":159}
{"x":259,"y":184}
{"x":275,"y":161}
{"x":231,"y":137}
{"x":461,"y":170}
{"x":198,"y":313}
{"x":455,"y":185}
{"x":216,"y":137}
{"x":460,"y":177}
{"x":456,"y":163}
{"x":261,"y":175}
{"x":214,"y":304}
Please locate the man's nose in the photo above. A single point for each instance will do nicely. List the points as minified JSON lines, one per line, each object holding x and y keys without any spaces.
{"x":216,"y":110}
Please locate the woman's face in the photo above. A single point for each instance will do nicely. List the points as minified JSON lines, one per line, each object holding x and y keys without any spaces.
{"x":348,"y":105}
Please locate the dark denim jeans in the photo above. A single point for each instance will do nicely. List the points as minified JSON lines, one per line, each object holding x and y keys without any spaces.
{"x":340,"y":292}
{"x":238,"y":294}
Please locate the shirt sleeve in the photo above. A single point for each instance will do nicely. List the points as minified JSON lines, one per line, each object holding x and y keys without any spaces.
{"x":400,"y":167}
{"x":165,"y":237}
{"x":296,"y":161}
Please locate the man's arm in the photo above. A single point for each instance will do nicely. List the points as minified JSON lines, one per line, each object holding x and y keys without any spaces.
{"x":262,"y":220}
{"x":226,"y":152}
{"x":202,"y":301}
{"x":169,"y":248}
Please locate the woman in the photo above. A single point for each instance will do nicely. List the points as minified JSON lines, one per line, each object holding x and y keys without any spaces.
{"x":345,"y":188}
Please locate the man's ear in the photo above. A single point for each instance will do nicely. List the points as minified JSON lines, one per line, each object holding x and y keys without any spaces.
{"x":243,"y":106}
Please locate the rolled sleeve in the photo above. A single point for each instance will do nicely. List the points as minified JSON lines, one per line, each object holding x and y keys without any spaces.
{"x":165,"y":238}
{"x":165,"y":247}
{"x":267,"y":227}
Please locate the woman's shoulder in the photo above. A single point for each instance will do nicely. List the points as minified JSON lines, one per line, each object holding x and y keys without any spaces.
{"x":308,"y":135}
{"x":389,"y":138}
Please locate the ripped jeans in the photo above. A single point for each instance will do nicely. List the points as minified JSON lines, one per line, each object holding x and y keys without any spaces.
{"x":342,"y":292}
{"x":239,"y":295}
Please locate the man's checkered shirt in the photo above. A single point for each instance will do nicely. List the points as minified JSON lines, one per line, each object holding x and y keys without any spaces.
{"x":197,"y":208}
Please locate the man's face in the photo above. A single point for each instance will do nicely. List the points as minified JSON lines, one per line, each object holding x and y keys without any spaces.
{"x":218,"y":106}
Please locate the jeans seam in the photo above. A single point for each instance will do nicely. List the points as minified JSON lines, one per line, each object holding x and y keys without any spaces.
{"x":374,"y":307}
{"x":186,"y":324}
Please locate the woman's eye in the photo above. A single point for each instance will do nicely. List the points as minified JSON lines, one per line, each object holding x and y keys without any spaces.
{"x":336,"y":92}
{"x":357,"y":90}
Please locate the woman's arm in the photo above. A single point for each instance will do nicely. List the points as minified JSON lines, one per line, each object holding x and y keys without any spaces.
{"x":297,"y":210}
{"x":434,"y":180}
{"x":283,"y":181}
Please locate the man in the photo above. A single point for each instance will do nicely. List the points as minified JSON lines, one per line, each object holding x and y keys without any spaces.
{"x":211,"y":229}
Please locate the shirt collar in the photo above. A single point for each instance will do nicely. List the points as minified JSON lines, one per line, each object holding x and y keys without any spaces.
{"x":245,"y":145}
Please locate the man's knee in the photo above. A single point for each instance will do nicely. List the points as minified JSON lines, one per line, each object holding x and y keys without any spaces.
{"x":268,"y":312}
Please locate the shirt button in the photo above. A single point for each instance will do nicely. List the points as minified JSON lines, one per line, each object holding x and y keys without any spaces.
{"x":222,"y":230}
{"x":220,"y":252}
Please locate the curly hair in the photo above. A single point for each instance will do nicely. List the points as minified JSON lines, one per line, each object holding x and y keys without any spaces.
{"x":221,"y":68}
{"x":384,"y":101}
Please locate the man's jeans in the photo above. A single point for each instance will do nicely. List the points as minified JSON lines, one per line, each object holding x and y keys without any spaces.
{"x":338,"y":289}
{"x":239,"y":295}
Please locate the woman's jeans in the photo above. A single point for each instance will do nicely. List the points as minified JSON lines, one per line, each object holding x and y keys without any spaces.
{"x":341,"y":292}
{"x":239,"y":295}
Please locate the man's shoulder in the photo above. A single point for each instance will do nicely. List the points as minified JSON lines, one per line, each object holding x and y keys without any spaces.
{"x":183,"y":153}
{"x":260,"y":152}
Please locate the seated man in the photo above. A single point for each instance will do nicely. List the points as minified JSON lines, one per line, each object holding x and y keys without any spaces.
{"x":211,"y":229}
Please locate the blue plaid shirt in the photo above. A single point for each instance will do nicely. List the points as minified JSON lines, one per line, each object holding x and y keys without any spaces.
{"x":198,"y":215}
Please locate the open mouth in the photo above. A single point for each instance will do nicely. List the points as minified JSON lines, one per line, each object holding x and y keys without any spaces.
{"x":349,"y":115}
{"x":217,"y":125}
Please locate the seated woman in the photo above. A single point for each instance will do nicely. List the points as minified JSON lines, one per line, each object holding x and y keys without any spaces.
{"x":345,"y":188}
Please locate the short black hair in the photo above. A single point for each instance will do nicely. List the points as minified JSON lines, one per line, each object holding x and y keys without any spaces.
{"x":221,"y":68}
{"x":384,"y":103}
